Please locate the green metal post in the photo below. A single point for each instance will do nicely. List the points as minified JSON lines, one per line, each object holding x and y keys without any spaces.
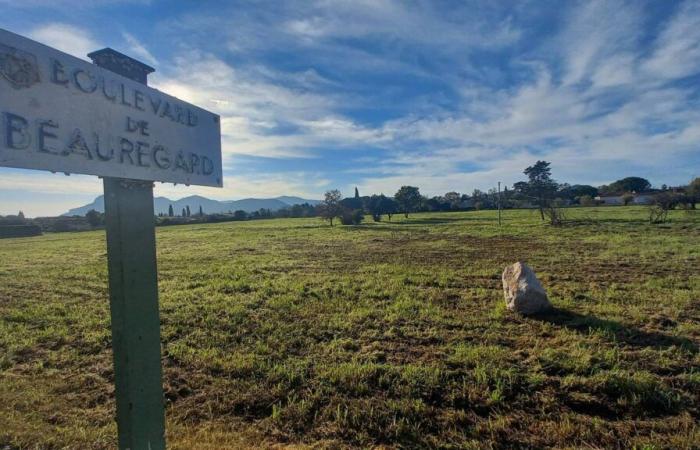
{"x":133,"y":292}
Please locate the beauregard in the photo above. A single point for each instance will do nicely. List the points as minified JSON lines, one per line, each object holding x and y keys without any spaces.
{"x":44,"y":136}
{"x":116,"y":92}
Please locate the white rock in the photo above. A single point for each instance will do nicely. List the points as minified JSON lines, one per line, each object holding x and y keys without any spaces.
{"x":523,"y":291}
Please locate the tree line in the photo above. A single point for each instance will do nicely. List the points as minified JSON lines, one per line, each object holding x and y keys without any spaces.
{"x":539,"y":191}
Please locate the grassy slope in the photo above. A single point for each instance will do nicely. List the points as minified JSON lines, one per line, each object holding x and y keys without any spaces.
{"x":288,"y":331}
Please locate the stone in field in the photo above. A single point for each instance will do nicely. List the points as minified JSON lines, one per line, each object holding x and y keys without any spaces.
{"x":523,"y":291}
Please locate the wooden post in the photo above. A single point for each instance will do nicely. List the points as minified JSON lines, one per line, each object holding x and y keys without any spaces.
{"x":133,"y":294}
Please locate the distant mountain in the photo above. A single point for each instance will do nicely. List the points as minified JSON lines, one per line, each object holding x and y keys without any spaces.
{"x":209,"y":206}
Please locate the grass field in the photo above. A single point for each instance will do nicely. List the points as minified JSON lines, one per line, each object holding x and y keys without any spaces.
{"x":394,"y":335}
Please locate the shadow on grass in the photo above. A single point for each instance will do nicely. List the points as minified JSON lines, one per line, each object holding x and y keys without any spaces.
{"x":412,"y":222}
{"x":623,"y":333}
{"x":441,"y":220}
{"x":587,"y":222}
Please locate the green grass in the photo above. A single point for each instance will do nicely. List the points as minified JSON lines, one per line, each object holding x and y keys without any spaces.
{"x":292,"y":333}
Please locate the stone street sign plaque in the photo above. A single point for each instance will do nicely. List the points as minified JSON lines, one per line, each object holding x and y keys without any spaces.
{"x":63,"y":114}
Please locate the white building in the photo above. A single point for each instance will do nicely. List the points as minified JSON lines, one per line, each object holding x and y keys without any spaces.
{"x":643,"y":198}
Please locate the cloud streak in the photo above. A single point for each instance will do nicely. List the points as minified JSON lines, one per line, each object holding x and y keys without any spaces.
{"x":67,"y":38}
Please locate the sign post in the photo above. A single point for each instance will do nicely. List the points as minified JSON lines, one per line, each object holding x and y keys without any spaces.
{"x":133,"y":293}
{"x":63,"y":114}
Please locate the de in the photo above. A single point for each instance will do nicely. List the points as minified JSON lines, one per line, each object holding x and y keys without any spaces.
{"x":137,"y":126}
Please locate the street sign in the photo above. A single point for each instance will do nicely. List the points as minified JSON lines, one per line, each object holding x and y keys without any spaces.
{"x":63,"y":114}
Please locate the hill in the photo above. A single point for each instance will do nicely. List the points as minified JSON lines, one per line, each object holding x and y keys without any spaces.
{"x":209,"y":206}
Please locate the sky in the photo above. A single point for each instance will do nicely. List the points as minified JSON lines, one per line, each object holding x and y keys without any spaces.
{"x":444,"y":95}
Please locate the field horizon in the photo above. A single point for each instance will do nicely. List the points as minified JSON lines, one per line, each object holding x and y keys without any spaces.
{"x":289,"y":333}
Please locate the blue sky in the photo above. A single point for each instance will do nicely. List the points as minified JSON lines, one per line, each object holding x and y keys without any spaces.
{"x":444,"y":95}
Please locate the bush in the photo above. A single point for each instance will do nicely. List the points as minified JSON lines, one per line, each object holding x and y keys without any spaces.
{"x":11,"y":231}
{"x":661,"y":205}
{"x":555,"y":215}
{"x":586,"y":200}
{"x":627,"y":199}
{"x":352,"y":217}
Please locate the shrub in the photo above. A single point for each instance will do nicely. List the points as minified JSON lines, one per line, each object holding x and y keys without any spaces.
{"x":586,"y":200}
{"x":11,"y":231}
{"x":661,"y":205}
{"x":352,"y":217}
{"x":627,"y":199}
{"x":554,"y":214}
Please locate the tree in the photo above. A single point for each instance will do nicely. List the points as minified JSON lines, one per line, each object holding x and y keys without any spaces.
{"x":577,"y":191}
{"x":454,"y":199}
{"x":94,"y":218}
{"x":352,"y":203}
{"x":627,"y":199}
{"x":170,"y":211}
{"x":408,"y":199}
{"x":388,"y":206}
{"x":184,"y":212}
{"x":436,"y":203}
{"x":540,"y":185}
{"x":330,"y":207}
{"x":201,"y":212}
{"x":373,"y":205}
{"x":240,"y":215}
{"x":357,"y":193}
{"x":188,"y":211}
{"x":693,"y":191}
{"x":20,"y":215}
{"x":628,"y":184}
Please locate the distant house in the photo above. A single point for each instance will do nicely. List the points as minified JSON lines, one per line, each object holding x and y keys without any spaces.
{"x":641,"y":198}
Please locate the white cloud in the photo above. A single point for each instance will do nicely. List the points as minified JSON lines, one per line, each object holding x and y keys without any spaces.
{"x":138,"y":50}
{"x":256,"y":104}
{"x":415,"y":24}
{"x":598,"y":38}
{"x":677,"y":49}
{"x":302,"y":184}
{"x":46,"y":183}
{"x":67,"y":38}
